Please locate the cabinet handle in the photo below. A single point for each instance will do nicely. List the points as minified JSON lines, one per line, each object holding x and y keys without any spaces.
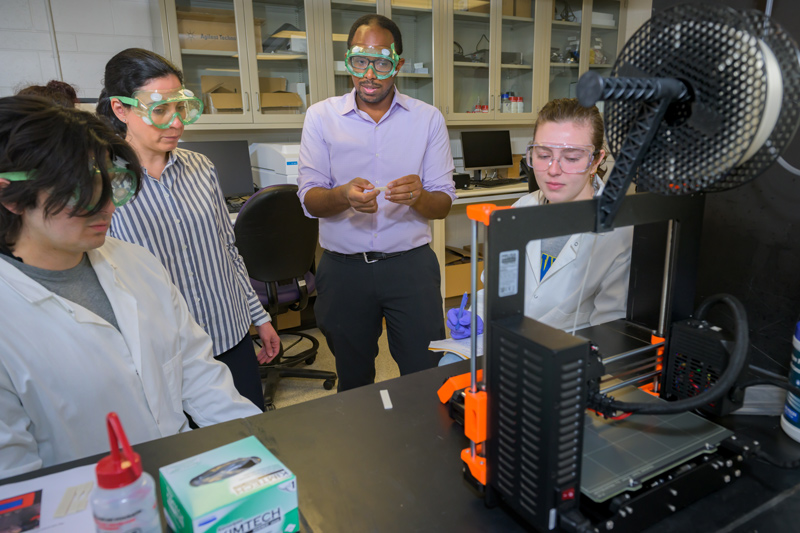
{"x":247,"y":100}
{"x":491,"y":108}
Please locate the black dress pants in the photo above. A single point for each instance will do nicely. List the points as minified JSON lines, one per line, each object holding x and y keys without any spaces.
{"x":242,"y":362}
{"x":353,"y":297}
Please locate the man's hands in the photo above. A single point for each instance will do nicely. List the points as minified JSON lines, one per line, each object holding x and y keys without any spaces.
{"x":406,"y":190}
{"x":363,"y":196}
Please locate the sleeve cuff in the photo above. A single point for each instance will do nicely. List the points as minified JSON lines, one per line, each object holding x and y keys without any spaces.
{"x":262,"y":320}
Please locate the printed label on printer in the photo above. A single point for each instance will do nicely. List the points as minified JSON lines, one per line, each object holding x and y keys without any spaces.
{"x":509,"y":272}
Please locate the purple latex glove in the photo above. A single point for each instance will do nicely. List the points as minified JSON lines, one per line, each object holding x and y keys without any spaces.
{"x":458,"y":321}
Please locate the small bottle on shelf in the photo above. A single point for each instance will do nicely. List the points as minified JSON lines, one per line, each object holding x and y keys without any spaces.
{"x":505,"y":103}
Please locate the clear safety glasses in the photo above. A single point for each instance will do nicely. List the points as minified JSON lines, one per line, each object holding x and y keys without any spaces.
{"x":382,"y":61}
{"x":161,"y":108}
{"x":572,"y":159}
{"x":123,"y":184}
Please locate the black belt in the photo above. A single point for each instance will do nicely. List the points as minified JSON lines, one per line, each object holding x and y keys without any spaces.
{"x":373,"y":257}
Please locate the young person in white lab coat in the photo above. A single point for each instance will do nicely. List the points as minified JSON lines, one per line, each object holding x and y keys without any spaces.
{"x":91,"y":324}
{"x":580,"y":280}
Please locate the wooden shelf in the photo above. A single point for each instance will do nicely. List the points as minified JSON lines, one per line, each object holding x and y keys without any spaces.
{"x":282,"y":57}
{"x":400,"y":74}
{"x":470,"y":64}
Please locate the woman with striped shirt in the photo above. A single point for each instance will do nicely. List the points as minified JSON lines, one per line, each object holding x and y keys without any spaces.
{"x":180,"y":213}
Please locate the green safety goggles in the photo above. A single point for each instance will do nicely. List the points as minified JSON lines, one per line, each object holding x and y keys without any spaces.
{"x":161,"y":108}
{"x":123,"y":183}
{"x":382,"y":61}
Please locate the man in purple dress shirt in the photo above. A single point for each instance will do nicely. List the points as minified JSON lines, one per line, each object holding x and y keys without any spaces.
{"x":375,"y":167}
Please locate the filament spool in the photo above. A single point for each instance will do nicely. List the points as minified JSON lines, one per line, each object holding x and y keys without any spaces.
{"x":744,"y":76}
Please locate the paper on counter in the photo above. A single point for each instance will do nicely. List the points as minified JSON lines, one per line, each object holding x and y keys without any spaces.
{"x":460,"y":347}
{"x":57,"y":501}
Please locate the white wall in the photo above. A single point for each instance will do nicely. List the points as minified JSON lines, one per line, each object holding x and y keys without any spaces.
{"x":87,"y":34}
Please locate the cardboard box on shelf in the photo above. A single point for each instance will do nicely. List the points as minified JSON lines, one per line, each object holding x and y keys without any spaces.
{"x":224,"y":95}
{"x":274,"y":98}
{"x":211,"y":29}
{"x":420,"y":4}
{"x":221,"y":94}
{"x":522,"y":8}
{"x":508,"y":8}
{"x":478,"y":6}
{"x":457,"y":272}
{"x":281,"y":103}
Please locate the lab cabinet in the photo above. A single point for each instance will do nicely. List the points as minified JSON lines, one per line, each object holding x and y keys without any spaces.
{"x":251,"y":61}
{"x":260,"y":63}
{"x":493,"y":54}
{"x":583,"y":35}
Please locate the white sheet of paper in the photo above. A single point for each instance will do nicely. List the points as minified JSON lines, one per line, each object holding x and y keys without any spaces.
{"x":460,"y":347}
{"x":54,"y":487}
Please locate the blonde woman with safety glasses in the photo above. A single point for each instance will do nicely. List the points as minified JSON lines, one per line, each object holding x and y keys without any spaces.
{"x":578,"y":280}
{"x":180,"y":213}
{"x":573,"y":281}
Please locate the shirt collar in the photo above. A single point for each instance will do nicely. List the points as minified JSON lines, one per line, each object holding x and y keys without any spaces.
{"x":32,"y":290}
{"x":397,"y":99}
{"x":172,"y":159}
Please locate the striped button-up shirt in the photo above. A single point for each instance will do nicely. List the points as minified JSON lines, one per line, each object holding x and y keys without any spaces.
{"x":182,"y":219}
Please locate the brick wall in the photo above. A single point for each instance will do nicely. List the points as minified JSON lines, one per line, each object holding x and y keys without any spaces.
{"x":87,"y":33}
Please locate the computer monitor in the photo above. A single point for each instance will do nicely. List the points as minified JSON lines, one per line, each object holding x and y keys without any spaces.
{"x":232,"y":159}
{"x":486,"y":150}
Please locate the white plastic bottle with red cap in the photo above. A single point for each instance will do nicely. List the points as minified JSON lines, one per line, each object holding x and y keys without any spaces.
{"x":125,"y":497}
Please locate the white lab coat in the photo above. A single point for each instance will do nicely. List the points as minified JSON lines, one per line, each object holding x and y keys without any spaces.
{"x":554,"y":299}
{"x":63,"y":368}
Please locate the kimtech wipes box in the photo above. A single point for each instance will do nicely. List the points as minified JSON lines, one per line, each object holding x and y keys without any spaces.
{"x":237,"y":488}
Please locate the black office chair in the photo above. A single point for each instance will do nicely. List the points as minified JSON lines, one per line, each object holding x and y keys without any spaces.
{"x":527,"y":172}
{"x":278,"y":243}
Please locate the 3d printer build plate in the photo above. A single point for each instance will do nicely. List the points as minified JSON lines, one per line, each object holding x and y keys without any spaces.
{"x":620,"y":455}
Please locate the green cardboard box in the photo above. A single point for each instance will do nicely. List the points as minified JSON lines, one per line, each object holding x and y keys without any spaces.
{"x":237,"y":488}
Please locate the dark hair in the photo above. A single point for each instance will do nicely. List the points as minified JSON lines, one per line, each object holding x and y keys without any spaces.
{"x":59,"y":92}
{"x":378,"y":20}
{"x":126,"y":73}
{"x":570,"y":110}
{"x":58,"y":146}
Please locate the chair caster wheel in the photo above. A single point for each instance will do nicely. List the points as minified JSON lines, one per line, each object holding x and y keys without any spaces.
{"x":329,"y":383}
{"x":269,"y":407}
{"x":310,"y":360}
